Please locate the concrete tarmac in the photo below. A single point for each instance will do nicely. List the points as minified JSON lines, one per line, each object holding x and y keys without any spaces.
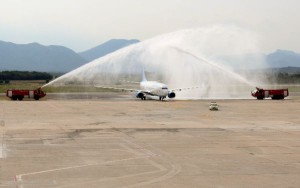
{"x":132,"y":143}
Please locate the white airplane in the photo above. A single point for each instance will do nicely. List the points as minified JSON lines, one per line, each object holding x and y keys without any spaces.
{"x":151,"y":88}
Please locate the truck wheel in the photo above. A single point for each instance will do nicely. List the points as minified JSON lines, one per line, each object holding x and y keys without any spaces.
{"x":260,"y":98}
{"x":20,"y":98}
{"x":14,"y":98}
{"x":36,"y":98}
{"x":278,"y":97}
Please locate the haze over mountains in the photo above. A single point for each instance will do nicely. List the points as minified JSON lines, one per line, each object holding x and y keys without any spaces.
{"x":37,"y":57}
{"x":283,"y":58}
{"x":106,"y":48}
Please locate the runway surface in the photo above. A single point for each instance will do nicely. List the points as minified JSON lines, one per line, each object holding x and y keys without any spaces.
{"x":132,"y":143}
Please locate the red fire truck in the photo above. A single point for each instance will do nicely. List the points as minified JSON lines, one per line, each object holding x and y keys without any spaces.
{"x":275,"y":94}
{"x":15,"y":94}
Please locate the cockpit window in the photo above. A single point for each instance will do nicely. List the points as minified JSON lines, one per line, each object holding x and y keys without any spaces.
{"x":164,"y":88}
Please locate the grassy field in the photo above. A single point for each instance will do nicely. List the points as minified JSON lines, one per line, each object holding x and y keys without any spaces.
{"x":32,"y":85}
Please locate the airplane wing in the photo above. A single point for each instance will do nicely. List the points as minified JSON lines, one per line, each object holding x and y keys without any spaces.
{"x":115,"y":88}
{"x":146,"y":92}
{"x":125,"y":89}
{"x":131,"y":82}
{"x":186,"y":88}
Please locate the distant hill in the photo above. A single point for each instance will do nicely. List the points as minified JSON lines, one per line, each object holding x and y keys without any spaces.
{"x":36,"y":57}
{"x":283,"y":58}
{"x":106,"y":48}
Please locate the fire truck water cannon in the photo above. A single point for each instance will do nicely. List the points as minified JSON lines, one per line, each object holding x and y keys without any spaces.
{"x":17,"y":94}
{"x":275,"y":94}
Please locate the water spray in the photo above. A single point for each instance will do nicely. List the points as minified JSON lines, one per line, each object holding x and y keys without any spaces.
{"x":181,"y":59}
{"x":229,"y":72}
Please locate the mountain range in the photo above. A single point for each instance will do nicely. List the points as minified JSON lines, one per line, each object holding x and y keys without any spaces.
{"x":283,"y":58}
{"x":37,"y":57}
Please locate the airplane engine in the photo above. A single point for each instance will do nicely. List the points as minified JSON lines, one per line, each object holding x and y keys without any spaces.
{"x":171,"y":95}
{"x":140,"y":95}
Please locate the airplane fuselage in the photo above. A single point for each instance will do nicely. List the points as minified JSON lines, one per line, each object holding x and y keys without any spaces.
{"x":155,"y":88}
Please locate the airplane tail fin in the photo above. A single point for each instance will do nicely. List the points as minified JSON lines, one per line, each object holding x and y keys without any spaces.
{"x":143,"y":75}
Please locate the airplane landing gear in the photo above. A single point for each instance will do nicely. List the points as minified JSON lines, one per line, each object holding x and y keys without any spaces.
{"x":161,"y":98}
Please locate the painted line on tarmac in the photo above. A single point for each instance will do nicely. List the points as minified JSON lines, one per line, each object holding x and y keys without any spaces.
{"x":140,"y":148}
{"x":111,"y":178}
{"x":20,"y":176}
{"x":2,"y":144}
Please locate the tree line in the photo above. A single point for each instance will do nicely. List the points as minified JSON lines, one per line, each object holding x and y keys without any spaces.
{"x":24,"y":75}
{"x":284,"y":78}
{"x":281,"y":78}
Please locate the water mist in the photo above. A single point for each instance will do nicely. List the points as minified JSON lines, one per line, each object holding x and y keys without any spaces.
{"x":187,"y":58}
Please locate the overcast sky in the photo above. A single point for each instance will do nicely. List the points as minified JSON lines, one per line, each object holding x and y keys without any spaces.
{"x":82,"y":24}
